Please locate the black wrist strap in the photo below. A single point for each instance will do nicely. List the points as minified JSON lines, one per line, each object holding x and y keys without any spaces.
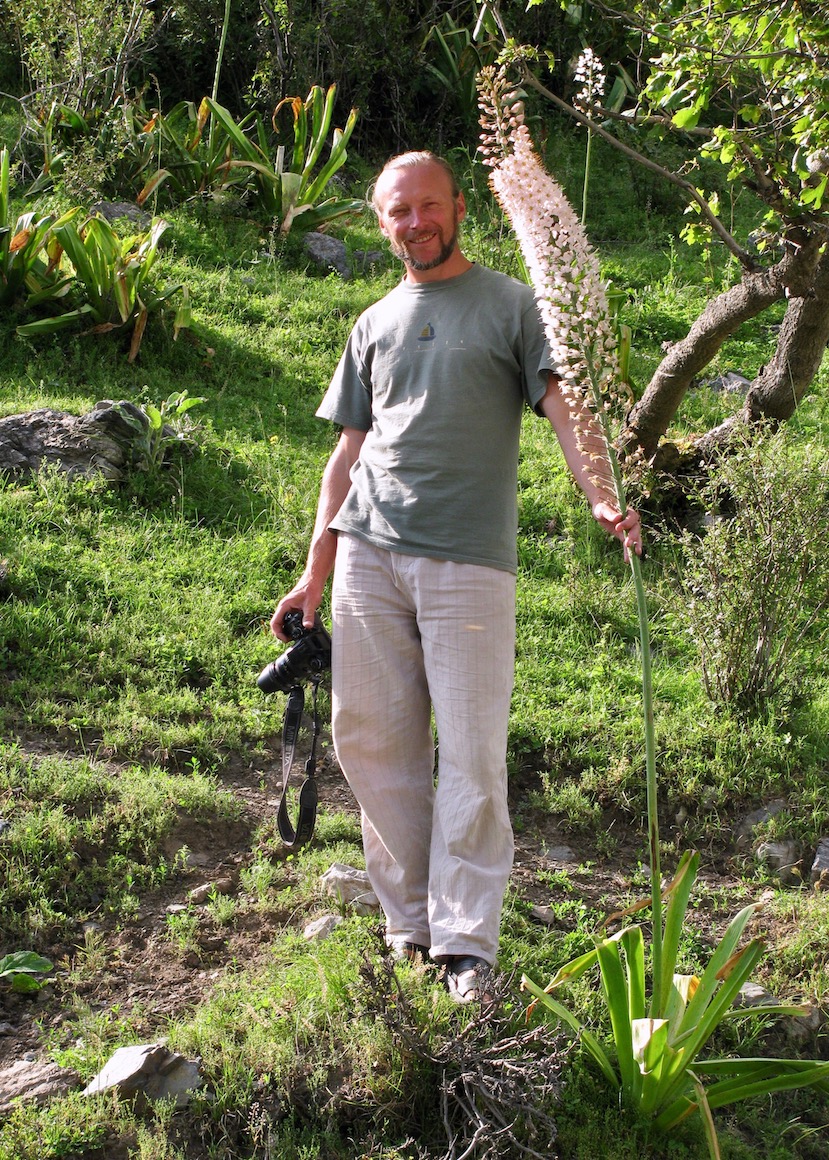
{"x":307,"y":814}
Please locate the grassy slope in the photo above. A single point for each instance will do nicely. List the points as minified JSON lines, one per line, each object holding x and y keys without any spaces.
{"x":134,"y":623}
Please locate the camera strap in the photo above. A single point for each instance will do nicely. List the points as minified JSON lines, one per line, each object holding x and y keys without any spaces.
{"x":307,"y":815}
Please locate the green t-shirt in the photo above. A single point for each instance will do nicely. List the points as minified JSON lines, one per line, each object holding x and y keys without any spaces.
{"x":437,"y":374}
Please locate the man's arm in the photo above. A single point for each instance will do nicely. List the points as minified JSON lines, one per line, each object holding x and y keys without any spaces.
{"x":579,"y":455}
{"x":336,"y":481}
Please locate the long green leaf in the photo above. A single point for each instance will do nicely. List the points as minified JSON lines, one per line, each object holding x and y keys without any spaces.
{"x":4,"y":187}
{"x":678,"y":894}
{"x":709,"y":980}
{"x":589,"y":1040}
{"x":50,"y":325}
{"x":249,"y":151}
{"x":327,"y":211}
{"x":763,"y":1077}
{"x":634,"y":948}
{"x":699,"y":1033}
{"x":336,"y":158}
{"x":616,"y":995}
{"x":322,"y":110}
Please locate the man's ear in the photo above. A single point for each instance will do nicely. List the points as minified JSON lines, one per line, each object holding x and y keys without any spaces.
{"x":461,"y":204}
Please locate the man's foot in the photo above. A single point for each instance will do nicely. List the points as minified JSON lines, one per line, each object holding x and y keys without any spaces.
{"x":467,"y":979}
{"x":409,"y":952}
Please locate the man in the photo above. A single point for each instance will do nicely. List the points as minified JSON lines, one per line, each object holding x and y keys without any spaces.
{"x":418,"y":507}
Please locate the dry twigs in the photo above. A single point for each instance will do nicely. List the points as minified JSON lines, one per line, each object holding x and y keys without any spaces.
{"x":498,"y":1080}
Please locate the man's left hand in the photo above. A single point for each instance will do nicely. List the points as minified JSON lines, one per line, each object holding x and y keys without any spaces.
{"x":626,"y":529}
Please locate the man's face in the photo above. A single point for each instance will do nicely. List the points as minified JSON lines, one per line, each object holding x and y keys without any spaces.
{"x":419,"y":215}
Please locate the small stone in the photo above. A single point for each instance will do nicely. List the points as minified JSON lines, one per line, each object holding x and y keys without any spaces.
{"x":367,"y":903}
{"x":756,"y":818}
{"x":559,"y":854}
{"x":784,"y":859}
{"x":820,"y":866}
{"x":321,"y":928}
{"x":204,"y":893}
{"x":345,"y":882}
{"x":802,"y":1029}
{"x":150,"y":1069}
{"x":753,"y":995}
{"x":30,"y":1080}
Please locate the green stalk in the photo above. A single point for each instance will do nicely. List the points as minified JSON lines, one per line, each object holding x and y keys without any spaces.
{"x":650,"y":780}
{"x":647,"y":710}
{"x":587,"y":159}
{"x":219,"y":57}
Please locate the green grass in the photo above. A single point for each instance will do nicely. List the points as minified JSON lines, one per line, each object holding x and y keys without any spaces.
{"x":133,"y":623}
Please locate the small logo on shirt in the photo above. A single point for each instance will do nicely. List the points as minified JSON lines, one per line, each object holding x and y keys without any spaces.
{"x":427,"y":334}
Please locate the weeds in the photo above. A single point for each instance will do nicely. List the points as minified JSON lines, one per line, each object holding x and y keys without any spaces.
{"x":753,"y":587}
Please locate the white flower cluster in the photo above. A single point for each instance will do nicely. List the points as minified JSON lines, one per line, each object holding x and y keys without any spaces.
{"x":589,"y":73}
{"x":563,"y":268}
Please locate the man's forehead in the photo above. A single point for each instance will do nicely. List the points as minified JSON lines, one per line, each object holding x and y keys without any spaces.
{"x":412,"y":180}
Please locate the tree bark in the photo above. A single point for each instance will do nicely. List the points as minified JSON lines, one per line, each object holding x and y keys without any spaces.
{"x":794,"y":275}
{"x":782,"y":383}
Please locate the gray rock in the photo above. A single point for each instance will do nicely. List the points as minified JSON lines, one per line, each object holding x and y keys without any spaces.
{"x":746,"y":828}
{"x":329,"y":254}
{"x":104,"y":441}
{"x":753,"y":995}
{"x":731,"y":383}
{"x":802,"y":1029}
{"x":114,"y":211}
{"x":820,"y":866}
{"x":784,"y":859}
{"x":322,"y":928}
{"x":560,"y":853}
{"x":332,"y":254}
{"x":150,"y":1070}
{"x":35,"y":1081}
{"x":367,"y":903}
{"x":208,"y":889}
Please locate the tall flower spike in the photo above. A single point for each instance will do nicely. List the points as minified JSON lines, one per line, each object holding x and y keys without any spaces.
{"x":577,"y":320}
{"x":564,"y":271}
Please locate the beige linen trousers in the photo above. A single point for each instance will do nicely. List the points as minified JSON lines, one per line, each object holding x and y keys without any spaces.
{"x":425,"y":647}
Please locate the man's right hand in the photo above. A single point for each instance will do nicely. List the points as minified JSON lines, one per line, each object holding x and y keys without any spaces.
{"x":298,"y":598}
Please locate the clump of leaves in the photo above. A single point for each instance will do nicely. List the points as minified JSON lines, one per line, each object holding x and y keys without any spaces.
{"x":24,"y":260}
{"x":112,"y":281}
{"x":20,"y":967}
{"x":206,"y":150}
{"x":160,"y":427}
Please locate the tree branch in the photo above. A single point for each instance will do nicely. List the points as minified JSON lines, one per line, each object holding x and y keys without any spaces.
{"x":746,"y":260}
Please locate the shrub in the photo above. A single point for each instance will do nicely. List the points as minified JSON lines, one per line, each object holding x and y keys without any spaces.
{"x":753,"y":585}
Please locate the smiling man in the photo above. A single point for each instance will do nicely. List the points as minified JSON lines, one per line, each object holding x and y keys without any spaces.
{"x":417,"y":517}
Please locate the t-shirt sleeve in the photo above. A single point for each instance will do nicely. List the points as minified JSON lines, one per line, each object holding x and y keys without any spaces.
{"x":538,"y":359}
{"x":347,"y":401}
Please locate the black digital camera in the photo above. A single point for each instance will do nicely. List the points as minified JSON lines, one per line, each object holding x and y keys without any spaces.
{"x":307,"y":658}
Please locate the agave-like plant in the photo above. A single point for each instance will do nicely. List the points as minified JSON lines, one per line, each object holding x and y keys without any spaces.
{"x":189,"y":161}
{"x":24,"y":259}
{"x":294,"y":183}
{"x":111,"y":279}
{"x":661,"y":1019}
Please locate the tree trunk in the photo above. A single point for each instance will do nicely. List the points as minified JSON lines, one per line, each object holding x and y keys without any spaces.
{"x":794,"y":275}
{"x":782,"y":383}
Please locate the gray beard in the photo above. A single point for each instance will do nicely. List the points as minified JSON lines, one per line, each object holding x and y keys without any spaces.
{"x":446,"y":251}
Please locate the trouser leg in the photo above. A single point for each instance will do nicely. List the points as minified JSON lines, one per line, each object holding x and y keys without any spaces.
{"x":467,"y":625}
{"x":407,"y":631}
{"x":382,"y":732}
